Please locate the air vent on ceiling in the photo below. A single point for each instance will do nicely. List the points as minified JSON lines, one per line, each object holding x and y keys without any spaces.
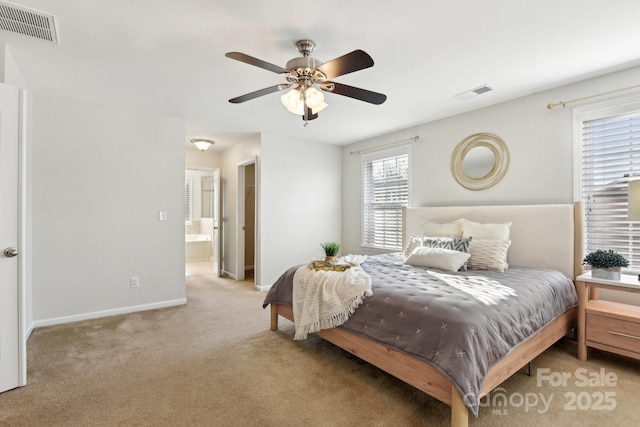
{"x":28,"y":22}
{"x":474,"y":92}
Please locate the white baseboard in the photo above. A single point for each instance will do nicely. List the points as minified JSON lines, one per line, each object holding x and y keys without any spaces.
{"x":262,"y":288}
{"x":107,"y":313}
{"x":224,"y":273}
{"x":29,"y":330}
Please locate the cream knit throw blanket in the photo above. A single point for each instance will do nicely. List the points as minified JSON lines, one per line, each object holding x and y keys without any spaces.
{"x":326,"y":299}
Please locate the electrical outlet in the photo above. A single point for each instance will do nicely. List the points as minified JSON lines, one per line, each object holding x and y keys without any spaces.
{"x":162,"y":215}
{"x":134,"y":281}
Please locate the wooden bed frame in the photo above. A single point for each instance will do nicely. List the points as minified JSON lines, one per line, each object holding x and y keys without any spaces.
{"x":548,"y":226}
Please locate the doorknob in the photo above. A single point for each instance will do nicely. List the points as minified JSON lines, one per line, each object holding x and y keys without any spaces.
{"x":10,"y":252}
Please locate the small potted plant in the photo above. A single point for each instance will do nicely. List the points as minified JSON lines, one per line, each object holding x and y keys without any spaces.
{"x":331,"y":249}
{"x":605,"y":263}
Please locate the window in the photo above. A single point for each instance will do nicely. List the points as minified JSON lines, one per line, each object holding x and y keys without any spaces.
{"x":188,"y":200}
{"x":385,"y":183}
{"x":610,"y":148}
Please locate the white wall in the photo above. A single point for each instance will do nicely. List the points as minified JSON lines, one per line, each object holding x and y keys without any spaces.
{"x":100,"y":177}
{"x":300,"y":203}
{"x":203,"y":160}
{"x":540,"y":142}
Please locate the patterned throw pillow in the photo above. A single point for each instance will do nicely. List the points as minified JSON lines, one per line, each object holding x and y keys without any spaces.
{"x":459,"y":244}
{"x":489,"y":254}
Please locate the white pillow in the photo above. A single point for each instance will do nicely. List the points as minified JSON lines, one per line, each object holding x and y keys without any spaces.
{"x":452,"y":243}
{"x":488,"y":254}
{"x":414,"y":242}
{"x":443,"y":259}
{"x":450,"y":229}
{"x":485,"y":231}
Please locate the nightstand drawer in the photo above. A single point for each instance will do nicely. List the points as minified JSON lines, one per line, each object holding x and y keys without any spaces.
{"x":614,"y":332}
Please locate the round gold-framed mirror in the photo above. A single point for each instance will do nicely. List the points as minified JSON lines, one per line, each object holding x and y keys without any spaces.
{"x":480,"y":161}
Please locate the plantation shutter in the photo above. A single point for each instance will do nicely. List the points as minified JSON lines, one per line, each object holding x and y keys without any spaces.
{"x":385,"y":193}
{"x":188,"y":191}
{"x":610,"y":158}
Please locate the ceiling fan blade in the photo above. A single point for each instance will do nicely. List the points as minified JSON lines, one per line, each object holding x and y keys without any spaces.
{"x":345,"y":64}
{"x":256,"y":94}
{"x":357,"y":93}
{"x":255,"y":62}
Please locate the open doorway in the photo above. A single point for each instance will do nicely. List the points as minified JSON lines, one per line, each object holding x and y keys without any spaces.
{"x":202,"y":213}
{"x":249,"y":221}
{"x":246,"y":221}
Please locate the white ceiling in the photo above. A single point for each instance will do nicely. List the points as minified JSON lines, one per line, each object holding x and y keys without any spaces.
{"x":168,"y":57}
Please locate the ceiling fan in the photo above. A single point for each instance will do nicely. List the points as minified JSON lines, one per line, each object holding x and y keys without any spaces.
{"x":308,"y":78}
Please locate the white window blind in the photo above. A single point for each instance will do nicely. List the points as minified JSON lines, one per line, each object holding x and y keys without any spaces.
{"x":385,"y":192}
{"x":610,"y":157}
{"x":188,"y":192}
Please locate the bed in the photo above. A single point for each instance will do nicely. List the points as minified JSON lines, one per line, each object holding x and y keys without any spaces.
{"x":545,"y":240}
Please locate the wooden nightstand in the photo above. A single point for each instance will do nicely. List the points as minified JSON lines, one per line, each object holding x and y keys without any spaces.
{"x":607,"y":325}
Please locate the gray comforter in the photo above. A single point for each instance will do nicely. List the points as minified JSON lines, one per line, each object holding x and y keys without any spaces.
{"x":462,"y":323}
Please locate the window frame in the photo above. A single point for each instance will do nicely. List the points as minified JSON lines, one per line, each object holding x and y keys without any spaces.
{"x":593,"y":111}
{"x":370,"y":157}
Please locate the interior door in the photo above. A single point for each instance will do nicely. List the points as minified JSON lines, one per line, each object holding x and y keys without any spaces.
{"x":12,"y":342}
{"x":245,"y":179}
{"x":216,"y":222}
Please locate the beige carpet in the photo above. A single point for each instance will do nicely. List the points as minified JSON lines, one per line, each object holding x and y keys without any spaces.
{"x":214,"y":362}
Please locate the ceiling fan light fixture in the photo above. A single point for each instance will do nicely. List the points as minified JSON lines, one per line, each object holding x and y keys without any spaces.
{"x":202,"y":144}
{"x":319,"y":108}
{"x":292,"y":100}
{"x":295,"y":101}
{"x":313,"y":98}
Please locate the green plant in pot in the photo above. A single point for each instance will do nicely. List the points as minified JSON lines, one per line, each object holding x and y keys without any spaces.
{"x":330,"y":249}
{"x":605,"y":263}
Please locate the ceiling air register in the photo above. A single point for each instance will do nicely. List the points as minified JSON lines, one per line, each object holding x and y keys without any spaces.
{"x":28,"y":22}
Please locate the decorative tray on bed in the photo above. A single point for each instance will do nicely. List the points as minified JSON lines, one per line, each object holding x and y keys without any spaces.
{"x":321,"y":265}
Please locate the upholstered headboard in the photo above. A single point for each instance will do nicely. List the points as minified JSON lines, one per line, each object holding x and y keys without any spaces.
{"x":548,"y":236}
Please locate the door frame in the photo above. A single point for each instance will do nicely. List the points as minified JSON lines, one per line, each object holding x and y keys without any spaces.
{"x":217,"y":229}
{"x":24,"y":249}
{"x":240,"y":211}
